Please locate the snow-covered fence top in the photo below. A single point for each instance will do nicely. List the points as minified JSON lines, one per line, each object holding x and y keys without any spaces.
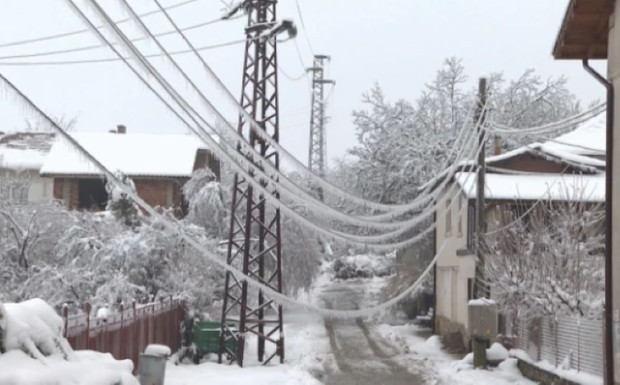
{"x":127,"y":332}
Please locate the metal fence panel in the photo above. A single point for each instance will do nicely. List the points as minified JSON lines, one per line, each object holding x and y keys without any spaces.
{"x":579,"y":341}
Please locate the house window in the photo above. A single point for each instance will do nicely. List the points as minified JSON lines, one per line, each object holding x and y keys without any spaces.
{"x":459,"y":225}
{"x":92,"y":194}
{"x":470,"y":289}
{"x":448,"y":218}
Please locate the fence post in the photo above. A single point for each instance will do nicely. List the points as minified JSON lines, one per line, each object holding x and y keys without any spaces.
{"x":163,"y":324}
{"x":578,"y":343}
{"x":122,"y":347}
{"x":87,"y":309}
{"x":65,"y":316}
{"x":136,"y":333}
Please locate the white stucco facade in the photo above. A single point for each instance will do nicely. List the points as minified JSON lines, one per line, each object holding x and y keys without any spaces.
{"x":26,"y":186}
{"x":455,"y":267}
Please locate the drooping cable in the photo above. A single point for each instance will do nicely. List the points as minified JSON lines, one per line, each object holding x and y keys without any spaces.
{"x":329,"y":234}
{"x":256,"y":155}
{"x":550,"y":127}
{"x":98,"y":46}
{"x":175,"y":227}
{"x":81,"y":31}
{"x":326,"y":185}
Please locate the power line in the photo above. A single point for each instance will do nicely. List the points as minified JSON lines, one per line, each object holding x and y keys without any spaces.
{"x":113,"y":59}
{"x":96,"y":46}
{"x":303,"y":25}
{"x":78,"y":32}
{"x":554,"y":126}
{"x":335,"y":235}
{"x":174,"y":226}
{"x":332,"y":234}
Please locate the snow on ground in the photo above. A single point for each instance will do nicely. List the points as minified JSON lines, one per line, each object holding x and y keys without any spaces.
{"x":88,"y":368}
{"x":307,"y":354}
{"x":444,"y":368}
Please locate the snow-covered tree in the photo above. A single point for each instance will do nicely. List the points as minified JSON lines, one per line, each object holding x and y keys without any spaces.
{"x":404,"y":143}
{"x":550,"y":263}
{"x":205,"y":198}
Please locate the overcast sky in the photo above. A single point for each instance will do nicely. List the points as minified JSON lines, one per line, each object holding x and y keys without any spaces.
{"x":398,"y":43}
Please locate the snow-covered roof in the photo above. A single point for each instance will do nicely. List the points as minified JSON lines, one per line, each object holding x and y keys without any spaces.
{"x":134,"y":154}
{"x":588,"y":139}
{"x":24,"y":150}
{"x":586,"y":188}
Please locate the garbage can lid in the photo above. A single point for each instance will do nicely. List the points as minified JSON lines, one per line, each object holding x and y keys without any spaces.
{"x":158,"y":350}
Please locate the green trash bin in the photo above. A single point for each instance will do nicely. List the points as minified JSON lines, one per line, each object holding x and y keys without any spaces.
{"x":207,"y":338}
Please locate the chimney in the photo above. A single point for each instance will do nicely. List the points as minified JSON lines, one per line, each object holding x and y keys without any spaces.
{"x":121,"y":129}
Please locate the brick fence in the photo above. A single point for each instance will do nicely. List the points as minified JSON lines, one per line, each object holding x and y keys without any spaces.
{"x":125,"y":334}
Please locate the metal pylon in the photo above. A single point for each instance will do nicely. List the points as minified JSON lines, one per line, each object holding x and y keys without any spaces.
{"x":254,"y":243}
{"x":317,"y":152}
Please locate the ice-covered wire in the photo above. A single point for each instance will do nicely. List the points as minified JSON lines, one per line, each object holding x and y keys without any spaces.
{"x":358,"y":241}
{"x":528,"y":211}
{"x":97,"y":46}
{"x":210,"y":141}
{"x":114,"y":59}
{"x":240,"y":159}
{"x":175,"y":227}
{"x":315,"y":203}
{"x":579,"y":146}
{"x":327,"y":186}
{"x":331,"y":235}
{"x":81,"y":31}
{"x":341,"y":236}
{"x":549,"y":127}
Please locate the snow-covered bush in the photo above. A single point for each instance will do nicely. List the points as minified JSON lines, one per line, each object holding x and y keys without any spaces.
{"x":35,"y":352}
{"x":72,"y":257}
{"x":550,"y":263}
{"x":121,"y":206}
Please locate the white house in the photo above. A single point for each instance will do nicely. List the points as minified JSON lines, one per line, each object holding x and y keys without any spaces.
{"x":21,"y":156}
{"x":564,"y":169}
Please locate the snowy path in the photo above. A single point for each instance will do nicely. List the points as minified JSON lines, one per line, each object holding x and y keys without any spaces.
{"x":362,"y":356}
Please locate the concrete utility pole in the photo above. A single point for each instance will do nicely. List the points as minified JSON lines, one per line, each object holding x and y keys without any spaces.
{"x":317,"y":152}
{"x":480,"y":116}
{"x":254,"y":241}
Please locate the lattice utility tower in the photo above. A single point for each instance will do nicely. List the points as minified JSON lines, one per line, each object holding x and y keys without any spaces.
{"x":254,"y":243}
{"x":317,"y":152}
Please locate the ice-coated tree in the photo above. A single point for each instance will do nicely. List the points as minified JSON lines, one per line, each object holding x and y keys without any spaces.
{"x":205,"y":199}
{"x":549,"y":262}
{"x":403,"y":144}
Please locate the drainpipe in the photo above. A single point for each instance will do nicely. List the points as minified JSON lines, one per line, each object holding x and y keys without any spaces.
{"x":609,"y":348}
{"x":434,"y":318}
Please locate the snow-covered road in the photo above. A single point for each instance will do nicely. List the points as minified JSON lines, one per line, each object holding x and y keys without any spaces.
{"x":361,"y":355}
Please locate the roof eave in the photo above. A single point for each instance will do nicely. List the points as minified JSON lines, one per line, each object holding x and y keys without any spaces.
{"x":584,"y":31}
